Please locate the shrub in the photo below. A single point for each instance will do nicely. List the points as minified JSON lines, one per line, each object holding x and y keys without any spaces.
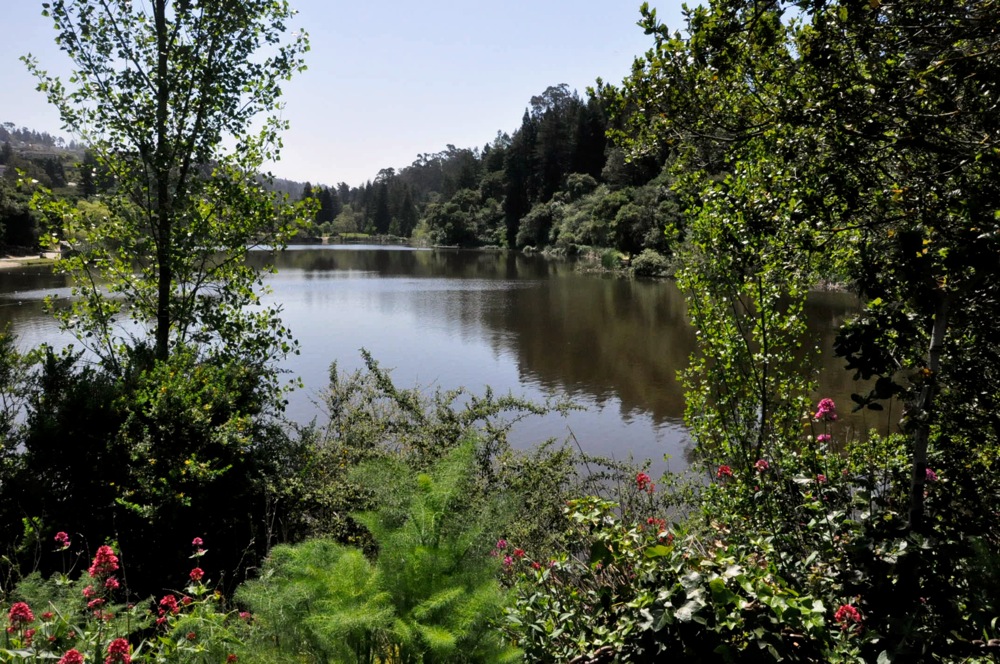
{"x":650,"y":264}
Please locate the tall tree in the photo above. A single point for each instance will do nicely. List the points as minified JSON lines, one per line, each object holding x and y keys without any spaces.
{"x":159,"y":89}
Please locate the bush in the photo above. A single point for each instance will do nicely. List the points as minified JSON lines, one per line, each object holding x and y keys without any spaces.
{"x":650,"y":264}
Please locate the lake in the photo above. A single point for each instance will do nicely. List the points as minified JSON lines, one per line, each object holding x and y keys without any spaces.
{"x":525,"y":324}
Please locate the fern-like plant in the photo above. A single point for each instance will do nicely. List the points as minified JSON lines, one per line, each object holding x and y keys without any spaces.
{"x":429,"y":595}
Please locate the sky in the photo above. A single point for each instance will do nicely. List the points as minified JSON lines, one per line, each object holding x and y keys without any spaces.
{"x":389,"y":80}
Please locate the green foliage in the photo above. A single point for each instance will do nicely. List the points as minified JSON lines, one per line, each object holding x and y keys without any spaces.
{"x":650,"y":264}
{"x":184,"y":210}
{"x":88,"y":614}
{"x":429,"y":595}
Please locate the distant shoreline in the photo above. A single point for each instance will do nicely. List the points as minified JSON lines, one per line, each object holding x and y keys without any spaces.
{"x":44,"y":258}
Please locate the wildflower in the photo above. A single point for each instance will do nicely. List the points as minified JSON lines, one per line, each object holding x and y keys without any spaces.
{"x":191,"y":636}
{"x":826,"y":410}
{"x":197,"y":541}
{"x":501,"y":543}
{"x":29,"y":635}
{"x":169,"y":603}
{"x":95,"y":603}
{"x":761,"y":465}
{"x":230,"y":658}
{"x":507,"y":561}
{"x":20,"y":615}
{"x":186,"y":600}
{"x":111,"y":583}
{"x":105,"y":562}
{"x":62,"y":540}
{"x":644,"y":482}
{"x":823,"y":438}
{"x":931,"y":476}
{"x":821,"y":478}
{"x":724,"y":471}
{"x":245,"y":615}
{"x":88,"y":592}
{"x":536,"y":565}
{"x":71,"y":656}
{"x":197,"y":574}
{"x":519,"y":553}
{"x":119,"y":652}
{"x":48,"y":615}
{"x":847,"y":615}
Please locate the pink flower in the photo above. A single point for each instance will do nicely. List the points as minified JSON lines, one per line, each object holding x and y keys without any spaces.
{"x":826,"y":410}
{"x":507,"y":561}
{"x":723,"y":471}
{"x":105,"y":562}
{"x":823,"y":438}
{"x":644,"y":482}
{"x":821,"y":478}
{"x":197,"y":574}
{"x":197,"y":541}
{"x":169,"y":603}
{"x":119,"y":652}
{"x":88,"y":592}
{"x":111,"y":583}
{"x":29,"y":636}
{"x":62,"y":540}
{"x":847,"y":615}
{"x":501,"y":543}
{"x":761,"y":465}
{"x":95,"y":603}
{"x":72,"y":656}
{"x":930,"y":475}
{"x":245,"y":615}
{"x":20,"y":615}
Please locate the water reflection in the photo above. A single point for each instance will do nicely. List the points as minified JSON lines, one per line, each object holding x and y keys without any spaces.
{"x":517,"y":323}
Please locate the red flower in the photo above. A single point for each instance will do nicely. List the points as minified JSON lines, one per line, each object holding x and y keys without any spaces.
{"x":197,"y":574}
{"x":185,"y":600}
{"x":95,"y":603}
{"x":821,"y":478}
{"x":197,"y":541}
{"x":62,"y":539}
{"x":847,"y":616}
{"x":88,"y":592}
{"x":29,"y":635}
{"x":105,"y":562}
{"x":169,"y":603}
{"x":119,"y":652}
{"x":723,"y":471}
{"x":191,"y":636}
{"x":519,"y":553}
{"x":536,"y":565}
{"x":72,"y":656}
{"x":48,"y":615}
{"x":111,"y":583}
{"x":644,"y":482}
{"x":20,"y":615}
{"x":761,"y":465}
{"x":230,"y":658}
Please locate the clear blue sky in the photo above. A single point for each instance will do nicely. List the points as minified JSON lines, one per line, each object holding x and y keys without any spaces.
{"x":392,"y":79}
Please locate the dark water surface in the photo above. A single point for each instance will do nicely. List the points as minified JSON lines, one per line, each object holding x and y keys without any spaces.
{"x":523,"y":324}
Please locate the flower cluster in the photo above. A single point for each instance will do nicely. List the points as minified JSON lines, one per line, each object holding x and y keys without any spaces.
{"x":847,"y":616}
{"x":723,"y":471}
{"x":20,"y":615}
{"x":72,"y":656}
{"x":62,"y":541}
{"x":119,"y":652}
{"x":644,"y":482}
{"x":826,"y":411}
{"x":105,"y":562}
{"x":761,"y":465}
{"x":197,"y":574}
{"x":930,"y":475}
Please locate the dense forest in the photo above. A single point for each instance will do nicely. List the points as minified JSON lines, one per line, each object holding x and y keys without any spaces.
{"x":156,"y":505}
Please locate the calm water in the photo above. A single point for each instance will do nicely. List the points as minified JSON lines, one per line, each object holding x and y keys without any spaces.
{"x":522,"y":324}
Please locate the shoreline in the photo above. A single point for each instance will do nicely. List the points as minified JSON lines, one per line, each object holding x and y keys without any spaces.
{"x":43,"y":258}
